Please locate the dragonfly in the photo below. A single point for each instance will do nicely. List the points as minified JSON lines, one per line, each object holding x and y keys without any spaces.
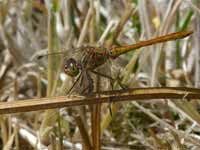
{"x":86,"y":59}
{"x":91,"y":57}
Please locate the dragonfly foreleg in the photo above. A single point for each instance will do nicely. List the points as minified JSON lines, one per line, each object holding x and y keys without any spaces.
{"x":74,"y":83}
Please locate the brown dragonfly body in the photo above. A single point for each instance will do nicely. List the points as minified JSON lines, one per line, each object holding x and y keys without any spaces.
{"x":92,"y":57}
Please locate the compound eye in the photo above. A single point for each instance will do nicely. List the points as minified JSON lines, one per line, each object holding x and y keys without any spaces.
{"x":71,"y":68}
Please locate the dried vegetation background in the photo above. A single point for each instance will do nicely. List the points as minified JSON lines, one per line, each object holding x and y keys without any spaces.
{"x":30,"y":28}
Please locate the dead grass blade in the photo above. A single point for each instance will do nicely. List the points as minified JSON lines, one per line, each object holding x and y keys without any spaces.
{"x":137,"y":94}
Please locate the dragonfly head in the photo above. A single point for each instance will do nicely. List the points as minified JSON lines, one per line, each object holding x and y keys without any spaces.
{"x":71,"y":67}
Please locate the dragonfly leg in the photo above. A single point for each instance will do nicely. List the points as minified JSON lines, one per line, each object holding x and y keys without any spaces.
{"x":112,"y":80}
{"x":110,"y":107}
{"x":124,"y":87}
{"x":74,"y":83}
{"x":89,"y":88}
{"x":91,"y":83}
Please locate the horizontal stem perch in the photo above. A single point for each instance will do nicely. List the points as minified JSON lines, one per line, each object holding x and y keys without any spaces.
{"x":137,"y":94}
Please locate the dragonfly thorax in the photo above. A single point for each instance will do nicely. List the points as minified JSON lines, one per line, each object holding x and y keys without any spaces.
{"x":94,"y":57}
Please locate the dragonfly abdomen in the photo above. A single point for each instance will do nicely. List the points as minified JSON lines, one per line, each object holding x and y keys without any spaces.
{"x":117,"y":51}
